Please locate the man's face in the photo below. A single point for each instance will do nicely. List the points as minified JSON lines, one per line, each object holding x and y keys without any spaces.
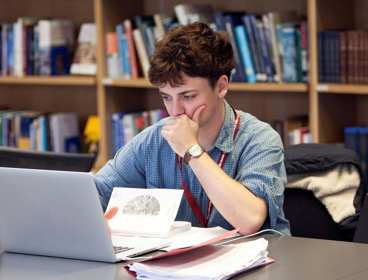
{"x":186,"y":98}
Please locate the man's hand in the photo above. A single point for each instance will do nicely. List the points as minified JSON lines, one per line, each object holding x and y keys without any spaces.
{"x":109,"y":215}
{"x":181,"y":132}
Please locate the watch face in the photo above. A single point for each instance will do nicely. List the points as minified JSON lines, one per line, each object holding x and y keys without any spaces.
{"x":195,"y":150}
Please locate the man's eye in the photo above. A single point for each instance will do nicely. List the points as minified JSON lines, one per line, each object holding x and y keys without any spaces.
{"x":187,"y":97}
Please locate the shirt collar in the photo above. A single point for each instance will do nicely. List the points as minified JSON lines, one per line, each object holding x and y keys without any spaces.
{"x":224,"y":141}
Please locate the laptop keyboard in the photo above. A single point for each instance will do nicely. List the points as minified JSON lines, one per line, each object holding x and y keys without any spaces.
{"x":120,"y":249}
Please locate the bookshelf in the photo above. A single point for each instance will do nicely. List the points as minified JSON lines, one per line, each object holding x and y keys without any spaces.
{"x":330,"y":107}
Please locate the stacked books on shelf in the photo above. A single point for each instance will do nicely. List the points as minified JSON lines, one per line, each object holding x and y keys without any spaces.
{"x":57,"y":132}
{"x":125,"y":125}
{"x":265,"y":49}
{"x":36,"y":46}
{"x":294,"y":130}
{"x":343,"y":56}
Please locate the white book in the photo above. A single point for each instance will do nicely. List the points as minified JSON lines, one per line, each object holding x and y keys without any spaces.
{"x":64,"y":131}
{"x":146,"y":212}
{"x":141,"y":50}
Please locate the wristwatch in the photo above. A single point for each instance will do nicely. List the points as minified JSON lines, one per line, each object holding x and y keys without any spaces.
{"x":193,"y":151}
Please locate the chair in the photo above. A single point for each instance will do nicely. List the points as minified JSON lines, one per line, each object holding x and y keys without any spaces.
{"x":12,"y":157}
{"x":361,"y":232}
{"x":307,"y":215}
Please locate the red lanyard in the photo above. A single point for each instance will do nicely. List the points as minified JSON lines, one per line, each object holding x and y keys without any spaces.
{"x":188,"y":195}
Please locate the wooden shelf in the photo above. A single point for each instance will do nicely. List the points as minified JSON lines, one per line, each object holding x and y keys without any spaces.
{"x":271,"y":87}
{"x":342,"y":89}
{"x":137,"y":83}
{"x":276,"y":87}
{"x":50,"y":80}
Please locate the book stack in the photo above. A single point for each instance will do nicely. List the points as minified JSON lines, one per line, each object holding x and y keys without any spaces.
{"x":265,"y":49}
{"x":294,"y":130}
{"x":58,"y":132}
{"x":343,"y":56}
{"x":36,"y":46}
{"x":125,"y":125}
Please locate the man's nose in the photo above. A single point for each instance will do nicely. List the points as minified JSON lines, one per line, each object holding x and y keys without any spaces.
{"x":178,"y":108}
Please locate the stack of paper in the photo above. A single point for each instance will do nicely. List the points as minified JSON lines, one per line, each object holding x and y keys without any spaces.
{"x":208,"y":262}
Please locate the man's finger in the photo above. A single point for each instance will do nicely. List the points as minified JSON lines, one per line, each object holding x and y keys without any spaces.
{"x":197,"y":113}
{"x":111,"y":212}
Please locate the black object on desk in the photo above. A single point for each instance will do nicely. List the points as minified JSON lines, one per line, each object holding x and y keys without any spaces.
{"x":12,"y":157}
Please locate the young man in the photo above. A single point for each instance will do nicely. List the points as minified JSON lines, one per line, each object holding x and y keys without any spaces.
{"x":229,"y":164}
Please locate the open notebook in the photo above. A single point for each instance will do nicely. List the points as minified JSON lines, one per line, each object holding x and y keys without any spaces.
{"x":58,"y":213}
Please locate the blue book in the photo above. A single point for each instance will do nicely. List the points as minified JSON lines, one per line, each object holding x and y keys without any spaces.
{"x":245,"y":53}
{"x":116,"y":131}
{"x":119,"y":34}
{"x":219,"y":18}
{"x":145,"y":23}
{"x":321,"y":68}
{"x":267,"y":61}
{"x":29,"y":49}
{"x":10,"y":49}
{"x":60,"y":62}
{"x":254,"y":49}
{"x":123,"y":52}
{"x":363,"y":149}
{"x":289,"y":48}
{"x":351,"y":138}
{"x":238,"y":74}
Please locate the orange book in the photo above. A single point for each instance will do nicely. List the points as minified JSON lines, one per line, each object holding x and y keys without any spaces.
{"x":111,"y":43}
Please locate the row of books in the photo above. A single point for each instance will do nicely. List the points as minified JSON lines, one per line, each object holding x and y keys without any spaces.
{"x":57,"y":132}
{"x":294,"y":130}
{"x":356,"y":139}
{"x":128,"y":124}
{"x":36,"y":46}
{"x":343,"y":57}
{"x":266,"y":50}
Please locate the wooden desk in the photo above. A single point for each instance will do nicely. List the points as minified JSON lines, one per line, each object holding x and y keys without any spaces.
{"x":296,"y":259}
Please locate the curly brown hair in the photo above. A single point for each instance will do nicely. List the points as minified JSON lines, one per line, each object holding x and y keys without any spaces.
{"x":194,"y":49}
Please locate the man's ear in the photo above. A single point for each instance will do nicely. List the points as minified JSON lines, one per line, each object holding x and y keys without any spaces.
{"x":222,"y":85}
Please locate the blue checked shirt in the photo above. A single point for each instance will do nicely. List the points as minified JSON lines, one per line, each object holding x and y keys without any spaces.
{"x":255,"y":160}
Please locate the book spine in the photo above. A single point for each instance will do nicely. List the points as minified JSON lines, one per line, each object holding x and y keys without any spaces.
{"x":343,"y":57}
{"x":245,"y":53}
{"x":304,"y":51}
{"x":238,"y":74}
{"x":299,"y":56}
{"x":264,"y":50}
{"x":257,"y":40}
{"x":253,"y":48}
{"x":336,"y":56}
{"x":280,"y":48}
{"x":131,"y":49}
{"x":10,"y":51}
{"x":320,"y":38}
{"x":272,"y":21}
{"x":4,"y":36}
{"x":270,"y":46}
{"x":119,"y":34}
{"x":112,"y":59}
{"x":141,"y":50}
{"x":289,"y":46}
{"x":116,"y":120}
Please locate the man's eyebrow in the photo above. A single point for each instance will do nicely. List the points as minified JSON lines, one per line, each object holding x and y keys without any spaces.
{"x":180,"y":93}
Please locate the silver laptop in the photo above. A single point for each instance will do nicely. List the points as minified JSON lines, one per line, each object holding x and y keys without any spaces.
{"x":59,"y":214}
